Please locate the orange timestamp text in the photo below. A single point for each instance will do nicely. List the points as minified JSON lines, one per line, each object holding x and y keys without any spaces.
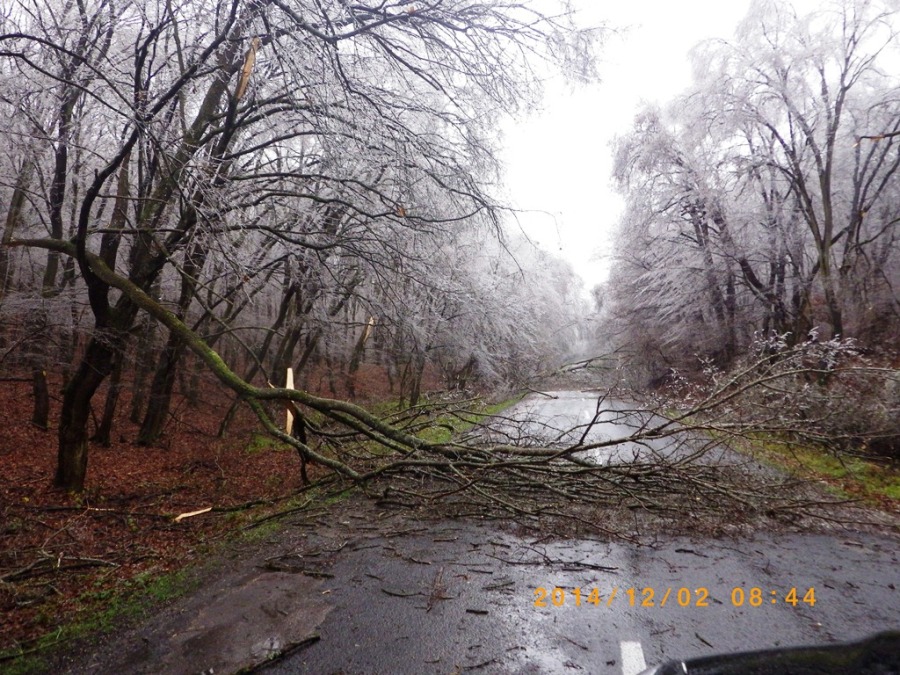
{"x":676,"y":597}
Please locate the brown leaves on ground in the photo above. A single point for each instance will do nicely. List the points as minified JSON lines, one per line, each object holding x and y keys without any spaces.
{"x":57,"y":549}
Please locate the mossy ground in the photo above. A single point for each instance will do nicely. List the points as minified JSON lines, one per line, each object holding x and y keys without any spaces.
{"x":874,"y":482}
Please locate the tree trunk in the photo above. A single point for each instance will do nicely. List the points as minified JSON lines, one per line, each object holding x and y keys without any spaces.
{"x":356,"y":358}
{"x":161,"y":392}
{"x":145,"y":265}
{"x":41,"y":399}
{"x":102,"y":435}
{"x":415,"y":389}
{"x":730,"y":318}
{"x":164,"y":380}
{"x":261,"y":354}
{"x":191,"y":374}
{"x":143,"y":365}
{"x":459,"y":379}
{"x":711,"y":272}
{"x":13,"y":217}
{"x":833,"y":303}
{"x":72,"y":457}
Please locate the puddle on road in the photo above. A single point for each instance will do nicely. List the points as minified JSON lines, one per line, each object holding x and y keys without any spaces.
{"x":234,"y":624}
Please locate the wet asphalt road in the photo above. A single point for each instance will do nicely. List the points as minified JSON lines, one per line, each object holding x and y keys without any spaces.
{"x":386,"y":592}
{"x":395,"y":595}
{"x":463,"y":599}
{"x":569,"y":418}
{"x":455,"y":599}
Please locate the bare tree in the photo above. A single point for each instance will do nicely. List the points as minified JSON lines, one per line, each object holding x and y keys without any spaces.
{"x":206,"y":128}
{"x":755,"y":202}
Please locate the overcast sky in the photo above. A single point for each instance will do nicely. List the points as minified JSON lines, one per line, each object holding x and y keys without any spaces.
{"x":559,"y":161}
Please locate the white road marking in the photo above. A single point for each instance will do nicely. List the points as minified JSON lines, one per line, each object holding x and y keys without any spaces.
{"x":632,"y":658}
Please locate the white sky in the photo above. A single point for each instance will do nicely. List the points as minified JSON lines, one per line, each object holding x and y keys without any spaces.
{"x":559,"y":162}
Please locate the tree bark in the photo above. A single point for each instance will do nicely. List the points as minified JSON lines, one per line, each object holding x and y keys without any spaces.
{"x":102,"y":435}
{"x":356,"y":358}
{"x":13,"y":217}
{"x":161,"y":389}
{"x":163,"y":385}
{"x":41,"y":415}
{"x":415,"y":388}
{"x":71,"y":469}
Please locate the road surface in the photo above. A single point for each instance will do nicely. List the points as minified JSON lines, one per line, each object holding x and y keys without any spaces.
{"x":568,"y":418}
{"x":370,"y":590}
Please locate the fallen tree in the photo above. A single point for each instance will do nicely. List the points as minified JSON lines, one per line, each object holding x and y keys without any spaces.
{"x":678,"y":466}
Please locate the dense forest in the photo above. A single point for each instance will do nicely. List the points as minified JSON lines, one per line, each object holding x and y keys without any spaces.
{"x":763,"y":203}
{"x":240,"y":188}
{"x":256,"y":262}
{"x":269,"y":185}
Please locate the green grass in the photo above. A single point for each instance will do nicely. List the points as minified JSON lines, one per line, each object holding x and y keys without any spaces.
{"x":24,"y":665}
{"x":256,"y":533}
{"x":429,"y":423}
{"x":261,"y":442}
{"x":270,"y":523}
{"x":892,"y":491}
{"x":99,"y":611}
{"x":444,"y":427}
{"x":848,"y":476}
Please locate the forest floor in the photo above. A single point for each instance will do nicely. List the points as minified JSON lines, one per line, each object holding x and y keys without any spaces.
{"x":70,"y":564}
{"x":75,"y":564}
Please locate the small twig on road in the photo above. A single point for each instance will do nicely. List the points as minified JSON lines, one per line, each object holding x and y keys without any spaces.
{"x":438,"y":591}
{"x":284,"y":564}
{"x":541,"y":393}
{"x":577,"y":644}
{"x":572,"y":565}
{"x":479,"y":666}
{"x":280,"y":514}
{"x":703,"y":641}
{"x":400,"y":594}
{"x":289,"y":650}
